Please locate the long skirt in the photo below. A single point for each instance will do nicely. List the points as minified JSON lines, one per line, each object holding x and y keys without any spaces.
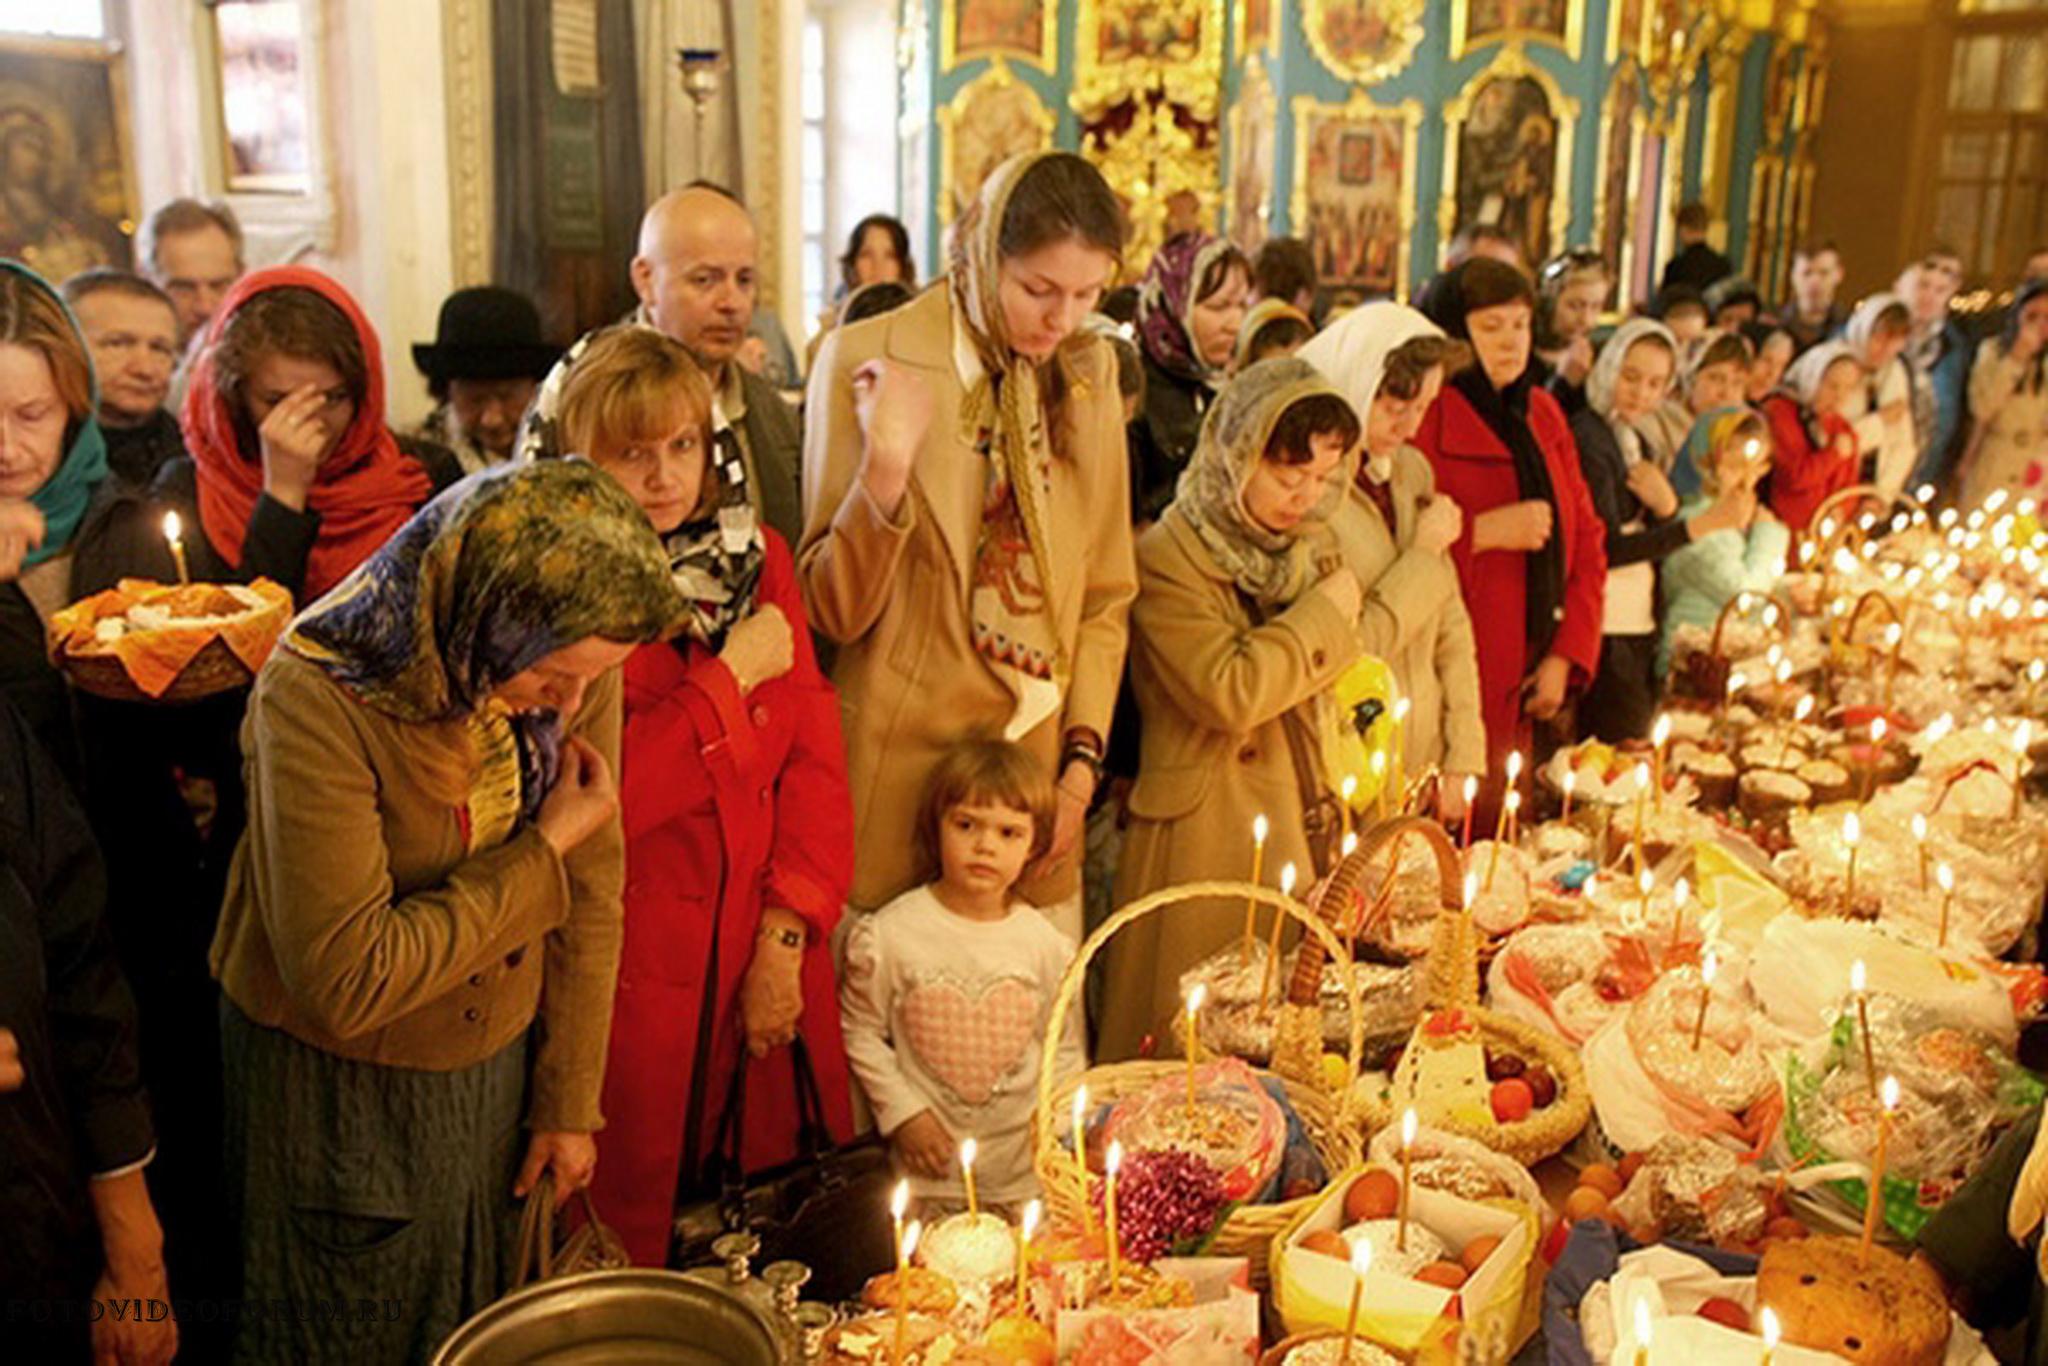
{"x":375,"y":1203}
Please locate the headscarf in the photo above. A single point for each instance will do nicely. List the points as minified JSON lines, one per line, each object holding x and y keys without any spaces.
{"x":1863,"y":323}
{"x":1256,"y":318}
{"x":1010,"y":603}
{"x":1506,"y":412}
{"x":366,"y":488}
{"x":1803,"y":376}
{"x":1352,"y":352}
{"x":497,"y":572}
{"x":1606,"y":372}
{"x":716,"y":559}
{"x":1709,"y":430}
{"x":1272,"y":568}
{"x":65,"y":495}
{"x":1166,"y":305}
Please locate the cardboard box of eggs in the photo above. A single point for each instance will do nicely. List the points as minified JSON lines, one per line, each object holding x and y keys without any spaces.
{"x":1460,"y":1259}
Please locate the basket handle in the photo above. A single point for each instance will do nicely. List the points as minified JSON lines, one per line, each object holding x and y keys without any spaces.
{"x":1152,"y":904}
{"x":1857,"y":492}
{"x":1384,"y":837}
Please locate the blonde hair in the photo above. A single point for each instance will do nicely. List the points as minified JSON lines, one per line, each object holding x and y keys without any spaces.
{"x":31,"y":317}
{"x":1729,"y":428}
{"x":998,"y":772}
{"x":631,"y":385}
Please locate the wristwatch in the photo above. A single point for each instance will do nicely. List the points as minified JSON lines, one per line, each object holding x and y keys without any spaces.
{"x":788,"y":938}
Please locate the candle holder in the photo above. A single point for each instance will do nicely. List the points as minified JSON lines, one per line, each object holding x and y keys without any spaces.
{"x":702,"y":73}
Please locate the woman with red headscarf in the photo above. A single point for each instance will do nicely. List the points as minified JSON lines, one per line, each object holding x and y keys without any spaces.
{"x":292,"y":475}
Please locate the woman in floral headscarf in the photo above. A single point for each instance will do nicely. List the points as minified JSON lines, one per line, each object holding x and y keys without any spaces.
{"x":967,"y":536}
{"x":1245,"y":617}
{"x":1190,"y":307}
{"x":433,"y":862}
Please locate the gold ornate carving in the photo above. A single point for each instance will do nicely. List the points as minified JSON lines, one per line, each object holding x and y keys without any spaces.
{"x":1363,"y":41}
{"x":1628,"y":29}
{"x":989,"y":120}
{"x":1511,"y":64}
{"x":466,"y":37}
{"x":1161,"y":157}
{"x":767,"y":196}
{"x":1560,"y":23}
{"x":1342,"y":190}
{"x":1014,"y":31}
{"x":1257,"y":27}
{"x":1128,"y":49}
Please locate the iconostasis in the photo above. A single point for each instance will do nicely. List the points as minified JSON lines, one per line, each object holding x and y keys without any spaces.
{"x":1377,"y":128}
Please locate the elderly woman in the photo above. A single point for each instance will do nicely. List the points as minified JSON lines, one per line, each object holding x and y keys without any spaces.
{"x":1246,"y":614}
{"x":1396,"y":530}
{"x":739,"y":831}
{"x":1532,"y":557}
{"x":432,"y":864}
{"x":1191,"y":306}
{"x":967,"y":535}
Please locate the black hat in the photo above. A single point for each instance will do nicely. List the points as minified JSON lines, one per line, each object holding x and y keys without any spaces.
{"x":486,"y":333}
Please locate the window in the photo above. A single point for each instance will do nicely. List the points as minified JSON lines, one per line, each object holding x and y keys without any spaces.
{"x":817,"y":250}
{"x":57,"y":18}
{"x":1992,"y":157}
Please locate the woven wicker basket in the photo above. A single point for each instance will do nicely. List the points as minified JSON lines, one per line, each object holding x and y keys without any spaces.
{"x":214,"y":669}
{"x":1249,"y":1229}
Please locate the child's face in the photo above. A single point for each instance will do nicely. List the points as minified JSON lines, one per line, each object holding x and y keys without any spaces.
{"x":983,"y":846}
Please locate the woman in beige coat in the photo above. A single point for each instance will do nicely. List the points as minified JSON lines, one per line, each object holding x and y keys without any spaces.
{"x":2009,"y":402}
{"x":1396,"y":531}
{"x":1245,"y":617}
{"x":967,"y":534}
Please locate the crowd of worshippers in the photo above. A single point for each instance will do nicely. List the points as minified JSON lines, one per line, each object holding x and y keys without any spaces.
{"x":651,"y":708}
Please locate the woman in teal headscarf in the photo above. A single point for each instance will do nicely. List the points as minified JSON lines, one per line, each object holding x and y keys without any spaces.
{"x":432,"y":866}
{"x":53,"y":461}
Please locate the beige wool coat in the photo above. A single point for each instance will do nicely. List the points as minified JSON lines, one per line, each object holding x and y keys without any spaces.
{"x":1415,"y":620}
{"x":1213,"y":756}
{"x":894,"y":595}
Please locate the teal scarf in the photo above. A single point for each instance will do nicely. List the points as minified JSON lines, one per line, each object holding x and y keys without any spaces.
{"x":66,"y":494}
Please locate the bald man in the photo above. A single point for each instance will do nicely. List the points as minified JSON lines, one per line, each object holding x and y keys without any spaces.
{"x":695,"y":273}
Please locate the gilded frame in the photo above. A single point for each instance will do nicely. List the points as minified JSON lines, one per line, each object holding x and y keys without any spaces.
{"x":1510,"y":63}
{"x":1102,"y":83}
{"x":1622,"y":46}
{"x":997,"y":79}
{"x":1241,"y":21}
{"x":114,"y":236}
{"x":1046,"y":57}
{"x":1639,"y":123}
{"x":1404,"y":22}
{"x":1572,"y":42}
{"x":1358,"y":109}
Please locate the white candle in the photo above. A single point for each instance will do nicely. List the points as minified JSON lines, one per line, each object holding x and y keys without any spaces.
{"x":1771,"y":1333}
{"x":968,"y":1149}
{"x":174,"y":532}
{"x":1361,"y":1264}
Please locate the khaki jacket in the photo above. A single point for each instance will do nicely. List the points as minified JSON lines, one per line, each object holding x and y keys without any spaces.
{"x":356,"y":922}
{"x":1213,"y":755}
{"x":1415,"y":620}
{"x":894,"y":595}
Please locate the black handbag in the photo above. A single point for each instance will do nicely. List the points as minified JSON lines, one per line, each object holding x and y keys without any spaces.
{"x":829,"y":1208}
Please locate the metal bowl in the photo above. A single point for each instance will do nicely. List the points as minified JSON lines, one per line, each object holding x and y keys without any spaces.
{"x":625,"y":1317}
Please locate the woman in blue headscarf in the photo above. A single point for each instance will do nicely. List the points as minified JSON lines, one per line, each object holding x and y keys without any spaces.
{"x":52,"y":463}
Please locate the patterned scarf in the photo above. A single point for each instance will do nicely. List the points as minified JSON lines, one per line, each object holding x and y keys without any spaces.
{"x":500,"y":570}
{"x":65,"y":495}
{"x":1010,"y":603}
{"x":716,"y":560}
{"x":1166,"y":305}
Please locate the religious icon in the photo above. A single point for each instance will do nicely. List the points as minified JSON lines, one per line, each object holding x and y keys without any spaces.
{"x":67,"y":197}
{"x":1363,"y":41}
{"x":264,"y":96}
{"x":1508,"y":162}
{"x":1617,"y":162}
{"x":1486,"y":21}
{"x":1351,"y":200}
{"x":1254,"y":25}
{"x":1253,"y":133}
{"x":1017,"y":28}
{"x":990,"y":119}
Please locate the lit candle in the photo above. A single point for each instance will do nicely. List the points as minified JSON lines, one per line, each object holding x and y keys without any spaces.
{"x":899,"y":1205}
{"x":1888,"y":1096}
{"x":1471,"y":794}
{"x":1348,"y":792}
{"x":1194,"y":1008}
{"x":1679,"y":892}
{"x":1272,"y":973}
{"x":1699,"y":1024}
{"x":1852,"y":835}
{"x":1260,"y":828}
{"x":1736,"y":683}
{"x":1642,"y":791}
{"x":1407,"y":1160}
{"x":1571,"y":781}
{"x":1800,"y":712}
{"x":1771,"y":1333}
{"x":1660,"y":736}
{"x":1645,"y":880}
{"x":968,"y":1149}
{"x":1361,"y":1264}
{"x":1510,"y":806}
{"x":1378,"y":763}
{"x":1348,"y":845}
{"x":909,"y":1246}
{"x":1877,"y":729}
{"x":174,"y":532}
{"x":1858,"y":978}
{"x":1920,"y":843}
{"x":1025,"y":1230}
{"x":1642,"y":1332}
{"x":1081,"y":1155}
{"x":1946,"y":876}
{"x":1471,"y":890}
{"x":1112,"y":1163}
{"x":1514,"y":770}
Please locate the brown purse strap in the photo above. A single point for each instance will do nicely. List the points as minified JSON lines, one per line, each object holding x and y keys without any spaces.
{"x":536,"y":1234}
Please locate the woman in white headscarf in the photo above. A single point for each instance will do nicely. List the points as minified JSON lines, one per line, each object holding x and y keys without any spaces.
{"x":1395,"y":532}
{"x":1816,"y":449}
{"x":1881,"y":407}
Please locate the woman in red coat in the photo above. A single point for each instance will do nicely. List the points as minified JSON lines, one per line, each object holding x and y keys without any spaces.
{"x":1532,"y":559}
{"x":738,"y":821}
{"x":1817,"y":454}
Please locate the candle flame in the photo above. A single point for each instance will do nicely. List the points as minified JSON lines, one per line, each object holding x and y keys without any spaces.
{"x":1514,"y":801}
{"x":1287,"y":876}
{"x":1379,"y":768}
{"x":1643,"y":777}
{"x":1946,"y":876}
{"x":174,"y":526}
{"x":1920,"y":827}
{"x":911,"y":1233}
{"x":1709,"y":965}
{"x":1349,"y":787}
{"x":1852,"y":829}
{"x":1859,"y":976}
{"x":1113,"y":1160}
{"x":1260,"y":826}
{"x":1401,"y":709}
{"x":1645,"y":880}
{"x":968,"y":1151}
{"x":1408,"y":1126}
{"x":1888,"y":1092}
{"x":1736,"y":683}
{"x":1877,"y":729}
{"x":1804,"y":709}
{"x":1033,"y":1212}
{"x":1514,"y":766}
{"x":1661,"y":732}
{"x":1471,"y":889}
{"x":1642,"y":1323}
{"x":1196,"y":997}
{"x":899,"y":1201}
{"x":1350,"y":843}
{"x":1361,"y":1257}
{"x":1471,"y":787}
{"x":1680,"y":891}
{"x":1771,"y":1329}
{"x":1571,"y":779}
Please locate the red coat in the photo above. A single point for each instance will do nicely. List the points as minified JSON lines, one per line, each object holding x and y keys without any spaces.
{"x":730,"y":804}
{"x":1803,"y":476}
{"x":1474,"y":467}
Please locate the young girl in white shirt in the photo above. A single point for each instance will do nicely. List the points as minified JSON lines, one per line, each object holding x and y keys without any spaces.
{"x":946,"y":990}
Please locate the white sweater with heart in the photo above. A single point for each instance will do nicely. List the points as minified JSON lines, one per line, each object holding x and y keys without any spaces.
{"x":947,"y":1014}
